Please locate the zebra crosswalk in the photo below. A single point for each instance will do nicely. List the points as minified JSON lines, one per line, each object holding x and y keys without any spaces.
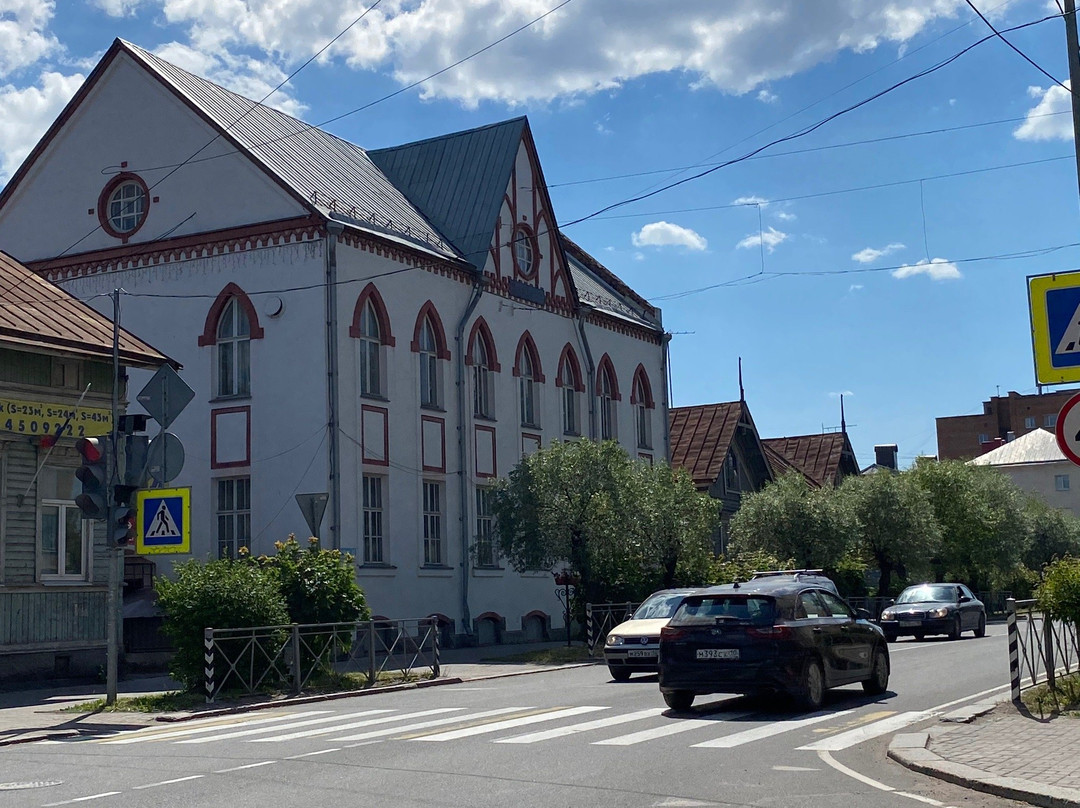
{"x":595,"y":725}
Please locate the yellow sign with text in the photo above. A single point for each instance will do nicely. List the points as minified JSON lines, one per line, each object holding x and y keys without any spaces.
{"x":46,"y":417}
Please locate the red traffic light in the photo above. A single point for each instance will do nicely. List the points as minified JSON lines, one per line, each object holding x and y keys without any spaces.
{"x":91,"y":449}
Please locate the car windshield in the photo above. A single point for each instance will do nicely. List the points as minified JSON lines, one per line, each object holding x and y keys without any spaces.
{"x":658,"y":607}
{"x":752,"y":610}
{"x":928,"y":593}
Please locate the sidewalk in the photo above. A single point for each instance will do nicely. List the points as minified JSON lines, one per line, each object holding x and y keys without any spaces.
{"x":995,"y":748}
{"x":37,"y":714}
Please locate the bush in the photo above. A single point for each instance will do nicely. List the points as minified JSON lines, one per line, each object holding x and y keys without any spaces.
{"x":1059,"y":592}
{"x":319,"y":586}
{"x":215,"y":594}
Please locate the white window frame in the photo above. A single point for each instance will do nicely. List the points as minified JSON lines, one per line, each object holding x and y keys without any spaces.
{"x":1061,"y":482}
{"x":1029,"y":422}
{"x":125,"y":211}
{"x":431,"y":492}
{"x":523,"y":253}
{"x":486,"y":554}
{"x":430,"y":367}
{"x":373,"y":513}
{"x":609,"y":422}
{"x":237,"y":517}
{"x":370,"y":349}
{"x":527,"y":394}
{"x":232,"y":353}
{"x":61,"y":573}
{"x":643,"y":417}
{"x":571,"y":401}
{"x":483,"y":400}
{"x":1050,"y":421}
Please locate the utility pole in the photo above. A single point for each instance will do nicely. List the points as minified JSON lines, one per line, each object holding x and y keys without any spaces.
{"x":1074,"y":75}
{"x":114,"y":551}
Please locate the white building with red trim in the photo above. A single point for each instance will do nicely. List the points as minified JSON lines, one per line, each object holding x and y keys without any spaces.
{"x":394,"y":328}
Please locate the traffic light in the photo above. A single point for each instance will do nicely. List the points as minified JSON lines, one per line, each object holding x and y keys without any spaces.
{"x":123,"y":518}
{"x":93,"y":474}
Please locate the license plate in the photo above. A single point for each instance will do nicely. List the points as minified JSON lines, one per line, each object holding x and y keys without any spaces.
{"x":718,"y":653}
{"x":638,"y":652}
{"x":910,"y":623}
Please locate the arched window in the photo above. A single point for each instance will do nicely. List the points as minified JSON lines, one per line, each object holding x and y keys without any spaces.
{"x":370,"y":352}
{"x":641,"y":398}
{"x":609,"y":394}
{"x":530,"y":375}
{"x":233,"y":351}
{"x":485,"y":363}
{"x":429,"y":343}
{"x":569,"y":381}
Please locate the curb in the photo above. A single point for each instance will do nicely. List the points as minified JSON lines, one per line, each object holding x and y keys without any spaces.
{"x":910,"y":750}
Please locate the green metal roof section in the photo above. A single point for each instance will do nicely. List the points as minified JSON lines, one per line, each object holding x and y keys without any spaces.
{"x":458,"y":181}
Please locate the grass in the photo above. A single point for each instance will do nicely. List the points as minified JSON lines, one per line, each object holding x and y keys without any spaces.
{"x":1064,"y":699}
{"x":173,"y":701}
{"x":548,"y":656}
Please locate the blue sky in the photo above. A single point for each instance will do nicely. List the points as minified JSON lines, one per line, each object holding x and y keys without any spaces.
{"x":820,"y":288}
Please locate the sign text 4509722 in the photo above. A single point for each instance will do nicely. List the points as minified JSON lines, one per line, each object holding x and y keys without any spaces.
{"x":44,"y":418}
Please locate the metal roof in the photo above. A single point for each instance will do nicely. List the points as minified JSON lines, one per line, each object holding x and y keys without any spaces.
{"x":1037,"y":446}
{"x":35,"y":315}
{"x":328,"y":173}
{"x":458,"y":180}
{"x":819,"y":457}
{"x":701,"y":438}
{"x":602,"y":289}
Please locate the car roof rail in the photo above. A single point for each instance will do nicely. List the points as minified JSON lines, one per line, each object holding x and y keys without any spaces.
{"x":767,"y":573}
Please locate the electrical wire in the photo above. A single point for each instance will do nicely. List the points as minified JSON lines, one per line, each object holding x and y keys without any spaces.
{"x":1023,"y":55}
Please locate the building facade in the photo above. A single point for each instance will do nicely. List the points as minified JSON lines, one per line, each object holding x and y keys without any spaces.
{"x":1036,"y":464}
{"x":962,"y":437}
{"x":394,"y":328}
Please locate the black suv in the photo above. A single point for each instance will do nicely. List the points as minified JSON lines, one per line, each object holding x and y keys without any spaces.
{"x":779,"y":633}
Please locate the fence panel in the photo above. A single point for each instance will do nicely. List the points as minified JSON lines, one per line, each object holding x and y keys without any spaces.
{"x":600,"y":618}
{"x":1040,"y":649}
{"x":290,"y":656}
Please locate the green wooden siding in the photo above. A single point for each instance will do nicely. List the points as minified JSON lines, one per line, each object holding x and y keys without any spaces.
{"x":52,"y":616}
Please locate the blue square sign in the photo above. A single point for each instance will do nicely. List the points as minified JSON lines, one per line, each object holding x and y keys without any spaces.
{"x":163,"y":517}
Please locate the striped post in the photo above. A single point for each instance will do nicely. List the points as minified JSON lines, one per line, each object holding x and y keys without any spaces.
{"x":436,"y":669}
{"x":1014,"y":648}
{"x":208,"y":660}
{"x":590,"y":629}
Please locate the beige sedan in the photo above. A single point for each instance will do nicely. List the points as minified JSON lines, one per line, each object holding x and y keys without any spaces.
{"x":633,"y":646}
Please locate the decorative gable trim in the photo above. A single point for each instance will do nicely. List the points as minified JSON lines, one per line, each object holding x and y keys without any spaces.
{"x":441,"y":348}
{"x":371,"y":294}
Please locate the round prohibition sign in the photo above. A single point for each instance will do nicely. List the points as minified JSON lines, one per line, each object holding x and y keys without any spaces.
{"x":1067,"y":429}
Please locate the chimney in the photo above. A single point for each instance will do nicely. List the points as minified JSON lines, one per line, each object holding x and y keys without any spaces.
{"x":885,"y":455}
{"x":1010,"y":436}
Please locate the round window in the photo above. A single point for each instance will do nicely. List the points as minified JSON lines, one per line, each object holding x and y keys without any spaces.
{"x":523,"y":251}
{"x":123,"y":205}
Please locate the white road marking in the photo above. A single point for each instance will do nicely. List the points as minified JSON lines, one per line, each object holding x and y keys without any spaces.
{"x":795,"y":769}
{"x":767,"y":731}
{"x":438,"y":722}
{"x":169,"y":782}
{"x":869,"y":781}
{"x":157,"y":733}
{"x":313,"y":754}
{"x":585,"y":727}
{"x":356,"y":724}
{"x":246,"y":766}
{"x":865,"y":733}
{"x":510,"y":723}
{"x":82,"y":799}
{"x":674,"y":728}
{"x":259,"y":730}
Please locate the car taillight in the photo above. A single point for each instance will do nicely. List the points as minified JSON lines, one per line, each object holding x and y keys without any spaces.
{"x":769,"y":632}
{"x":669,"y":634}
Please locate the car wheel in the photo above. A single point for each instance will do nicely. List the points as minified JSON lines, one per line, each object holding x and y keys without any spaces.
{"x":811,"y":692}
{"x":920,"y":636}
{"x":879,"y":674}
{"x":981,"y":630}
{"x":890,"y":636}
{"x":619,"y":674}
{"x":679,"y":699}
{"x":954,"y":629}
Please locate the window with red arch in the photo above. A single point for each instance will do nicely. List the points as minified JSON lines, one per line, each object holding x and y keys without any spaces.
{"x":607,"y":390}
{"x":530,"y":376}
{"x":485,"y":363}
{"x":526,"y":252}
{"x":371,"y":328}
{"x":642,"y":401}
{"x":429,"y":341}
{"x":231,"y":324}
{"x":571,"y":386}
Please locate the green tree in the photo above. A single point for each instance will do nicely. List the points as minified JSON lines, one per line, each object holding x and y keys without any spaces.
{"x":896,"y":526}
{"x":980,"y":514}
{"x":740,"y":566}
{"x":674,"y":523}
{"x":216,"y":594}
{"x":790,"y":519}
{"x":1053,"y":533}
{"x":319,"y":586}
{"x":1059,"y":592}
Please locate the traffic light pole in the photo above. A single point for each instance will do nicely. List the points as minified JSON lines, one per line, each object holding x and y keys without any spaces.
{"x":115,"y":551}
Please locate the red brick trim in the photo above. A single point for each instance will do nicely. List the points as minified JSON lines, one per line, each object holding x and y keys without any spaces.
{"x":494,"y":451}
{"x":442,"y":426}
{"x":370,"y":293}
{"x":569,"y":355}
{"x":526,"y":343}
{"x":641,"y":375}
{"x":386,"y":436}
{"x":480,"y":330}
{"x":605,"y":365}
{"x":231,"y":290}
{"x":523,"y":232}
{"x":442,"y":350}
{"x":214,"y":462}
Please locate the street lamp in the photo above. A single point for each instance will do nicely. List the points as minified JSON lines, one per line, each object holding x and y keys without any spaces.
{"x":564,"y":582}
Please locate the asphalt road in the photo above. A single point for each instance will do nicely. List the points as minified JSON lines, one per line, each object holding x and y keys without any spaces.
{"x":565,"y":738}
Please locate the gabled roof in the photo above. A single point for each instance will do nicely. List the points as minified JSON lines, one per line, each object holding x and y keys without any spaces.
{"x":1038,"y":446}
{"x":780,"y":465}
{"x":701,"y":438}
{"x":35,"y":315}
{"x":824,"y":459}
{"x":602,"y":289}
{"x":458,"y":180}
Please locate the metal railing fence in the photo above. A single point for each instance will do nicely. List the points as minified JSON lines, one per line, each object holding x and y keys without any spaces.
{"x":1040,"y":648}
{"x":247,"y":659}
{"x":600,"y":618}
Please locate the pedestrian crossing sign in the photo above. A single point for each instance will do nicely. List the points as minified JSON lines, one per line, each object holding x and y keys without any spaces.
{"x":163,"y":517}
{"x":1054,"y":301}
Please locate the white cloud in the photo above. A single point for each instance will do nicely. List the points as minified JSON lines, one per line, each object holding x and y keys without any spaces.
{"x":855,"y":287}
{"x":25,"y":115}
{"x":844,"y":393}
{"x":23,"y":35}
{"x":118,"y":8}
{"x":750,"y":200}
{"x":938,"y":269}
{"x":665,"y":234}
{"x":771,"y":238}
{"x":735,"y":46}
{"x":766,"y":97}
{"x":1042,"y":123}
{"x":785,"y":216}
{"x":868,"y":255}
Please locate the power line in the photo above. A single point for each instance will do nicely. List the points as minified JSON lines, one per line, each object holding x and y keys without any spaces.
{"x":1023,"y":55}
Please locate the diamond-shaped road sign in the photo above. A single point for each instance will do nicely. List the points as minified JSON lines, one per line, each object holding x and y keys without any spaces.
{"x":165,"y":396}
{"x":313,"y":506}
